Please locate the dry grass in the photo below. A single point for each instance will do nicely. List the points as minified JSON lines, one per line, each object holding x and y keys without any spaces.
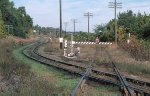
{"x":53,"y":47}
{"x":47,"y":81}
{"x":138,"y":49}
{"x":122,"y":58}
{"x":13,"y":71}
{"x":17,"y":79}
{"x":97,"y":89}
{"x":129,"y":64}
{"x":95,"y":55}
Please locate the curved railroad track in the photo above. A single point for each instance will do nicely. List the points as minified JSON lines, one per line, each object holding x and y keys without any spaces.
{"x":140,"y":88}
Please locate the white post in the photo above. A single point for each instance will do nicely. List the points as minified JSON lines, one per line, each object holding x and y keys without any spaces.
{"x":128,"y":41}
{"x":65,"y":49}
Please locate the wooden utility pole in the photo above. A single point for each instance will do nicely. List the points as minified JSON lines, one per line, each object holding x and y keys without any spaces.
{"x":66,"y":24}
{"x":60,"y":30}
{"x":88,"y":14}
{"x":115,"y":5}
{"x":8,"y":27}
{"x":74,"y":24}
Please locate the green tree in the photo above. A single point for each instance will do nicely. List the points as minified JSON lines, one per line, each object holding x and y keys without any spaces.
{"x":2,"y":29}
{"x":137,"y":24}
{"x":121,"y":34}
{"x":21,"y":21}
{"x":105,"y":31}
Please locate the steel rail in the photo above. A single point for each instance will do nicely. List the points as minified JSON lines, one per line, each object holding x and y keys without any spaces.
{"x":91,"y":77}
{"x":123,"y":81}
{"x":81,"y":82}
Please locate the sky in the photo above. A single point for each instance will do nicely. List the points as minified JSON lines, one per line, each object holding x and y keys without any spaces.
{"x":46,"y":12}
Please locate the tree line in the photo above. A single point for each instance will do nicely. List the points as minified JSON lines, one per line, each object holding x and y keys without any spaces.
{"x":128,"y":22}
{"x":21,"y":23}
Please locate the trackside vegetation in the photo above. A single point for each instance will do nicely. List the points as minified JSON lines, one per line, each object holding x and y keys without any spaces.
{"x":21,"y":76}
{"x":16,"y":17}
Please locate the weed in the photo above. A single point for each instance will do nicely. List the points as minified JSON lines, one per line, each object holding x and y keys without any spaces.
{"x":55,"y":82}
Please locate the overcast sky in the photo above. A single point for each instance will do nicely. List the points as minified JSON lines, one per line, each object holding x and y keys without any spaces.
{"x":46,"y":12}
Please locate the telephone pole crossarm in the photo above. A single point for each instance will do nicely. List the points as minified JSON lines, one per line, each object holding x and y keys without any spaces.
{"x":8,"y":27}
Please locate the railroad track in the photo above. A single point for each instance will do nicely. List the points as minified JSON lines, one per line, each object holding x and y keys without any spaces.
{"x":141,"y":88}
{"x":125,"y":86}
{"x":82,"y":81}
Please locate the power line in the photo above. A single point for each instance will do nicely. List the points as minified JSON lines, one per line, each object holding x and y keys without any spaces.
{"x":138,"y":6}
{"x":115,"y":5}
{"x":88,"y":14}
{"x":8,"y":27}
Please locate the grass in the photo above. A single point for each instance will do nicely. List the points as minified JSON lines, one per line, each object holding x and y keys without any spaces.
{"x":25,"y":77}
{"x":138,"y":49}
{"x":135,"y":68}
{"x":99,"y":90}
{"x":123,"y":59}
{"x":128,"y":64}
{"x":12,"y":72}
{"x":102,"y":90}
{"x":62,"y":83}
{"x":113,"y":91}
